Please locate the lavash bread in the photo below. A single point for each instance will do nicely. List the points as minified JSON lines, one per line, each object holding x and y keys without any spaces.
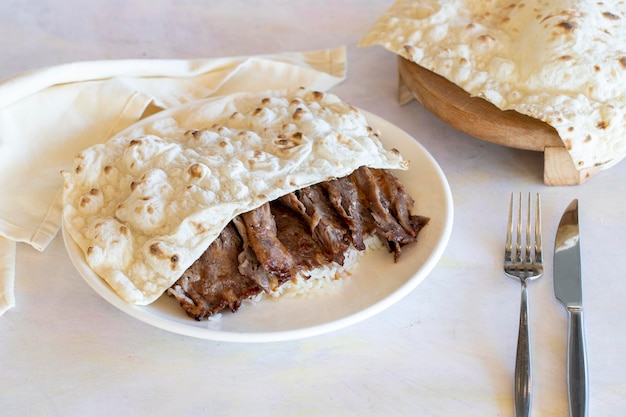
{"x":562,"y":62}
{"x":147,"y":203}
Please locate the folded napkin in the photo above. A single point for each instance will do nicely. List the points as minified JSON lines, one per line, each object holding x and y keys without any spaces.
{"x":49,"y":115}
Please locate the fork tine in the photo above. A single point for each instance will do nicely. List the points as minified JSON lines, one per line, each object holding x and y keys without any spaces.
{"x":518,"y":241}
{"x":523,"y":253}
{"x":538,"y":249}
{"x":527,"y":253}
{"x":509,"y":234}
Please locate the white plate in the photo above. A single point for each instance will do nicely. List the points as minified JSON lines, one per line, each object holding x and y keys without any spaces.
{"x":376,"y":284}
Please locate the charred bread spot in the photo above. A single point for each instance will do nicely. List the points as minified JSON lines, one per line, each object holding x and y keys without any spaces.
{"x":195,"y":171}
{"x":266,"y":101}
{"x":108,"y":169}
{"x":486,"y":39}
{"x":174,"y":261}
{"x":622,"y":61}
{"x":134,"y":142}
{"x":195,"y":133}
{"x":566,"y":26}
{"x":610,"y":16}
{"x":199,"y":228}
{"x":318,"y":95}
{"x":285,"y":143}
{"x":86,"y":200}
{"x":218,"y":128}
{"x":134,"y":185}
{"x":297,"y":115}
{"x":155,"y":250}
{"x":602,"y":124}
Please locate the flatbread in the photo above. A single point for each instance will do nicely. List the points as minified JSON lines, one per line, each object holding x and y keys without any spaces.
{"x":562,"y":62}
{"x":146,"y":204}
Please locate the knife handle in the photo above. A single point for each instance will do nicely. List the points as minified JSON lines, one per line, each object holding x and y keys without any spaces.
{"x":577,"y":365}
{"x":523,"y":368}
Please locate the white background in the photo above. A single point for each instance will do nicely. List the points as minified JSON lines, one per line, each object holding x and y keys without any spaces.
{"x":447,"y":349}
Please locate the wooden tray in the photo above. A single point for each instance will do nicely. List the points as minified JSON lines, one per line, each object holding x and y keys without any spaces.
{"x":481,"y":119}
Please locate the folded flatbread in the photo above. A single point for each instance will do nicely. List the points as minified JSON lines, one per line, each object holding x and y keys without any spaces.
{"x":562,"y":62}
{"x":147,"y":203}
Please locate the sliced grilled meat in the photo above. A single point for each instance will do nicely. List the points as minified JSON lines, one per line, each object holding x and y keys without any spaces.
{"x":387,"y":226}
{"x":271,"y":253}
{"x":295,"y":234}
{"x":260,"y":250}
{"x":344,"y":197}
{"x":213,"y":282}
{"x":249,"y":264}
{"x":400,"y":202}
{"x":325,"y":224}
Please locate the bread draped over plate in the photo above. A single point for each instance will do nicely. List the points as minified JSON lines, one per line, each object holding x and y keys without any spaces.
{"x":560,"y":61}
{"x":147,"y":203}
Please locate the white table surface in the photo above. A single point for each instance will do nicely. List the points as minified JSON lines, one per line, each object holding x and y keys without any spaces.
{"x":447,"y":349}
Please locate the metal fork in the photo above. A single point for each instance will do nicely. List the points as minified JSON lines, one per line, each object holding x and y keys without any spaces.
{"x":524,"y":264}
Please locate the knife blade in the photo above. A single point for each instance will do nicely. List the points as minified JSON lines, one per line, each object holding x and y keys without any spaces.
{"x":568,"y":290}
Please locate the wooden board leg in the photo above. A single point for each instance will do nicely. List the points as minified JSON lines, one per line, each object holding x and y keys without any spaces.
{"x":405,"y":95}
{"x":559,"y":169}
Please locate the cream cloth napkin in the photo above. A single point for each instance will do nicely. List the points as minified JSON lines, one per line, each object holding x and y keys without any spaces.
{"x":49,"y":115}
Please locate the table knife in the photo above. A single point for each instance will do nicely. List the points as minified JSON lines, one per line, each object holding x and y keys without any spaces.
{"x":568,"y":290}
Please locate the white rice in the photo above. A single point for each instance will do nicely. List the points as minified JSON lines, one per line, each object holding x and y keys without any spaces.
{"x":320,"y":281}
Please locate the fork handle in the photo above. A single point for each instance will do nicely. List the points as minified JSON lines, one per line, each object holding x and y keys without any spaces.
{"x":523,"y":371}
